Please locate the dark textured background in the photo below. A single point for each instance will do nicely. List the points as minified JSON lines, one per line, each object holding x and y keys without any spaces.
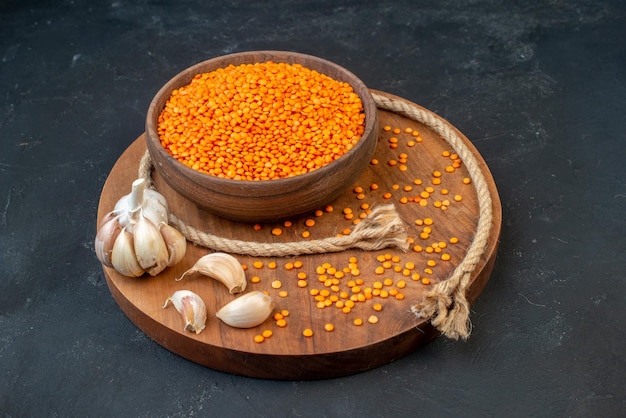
{"x":540,"y":89}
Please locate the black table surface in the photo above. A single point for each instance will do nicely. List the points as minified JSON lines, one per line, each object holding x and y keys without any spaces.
{"x":538,"y":87}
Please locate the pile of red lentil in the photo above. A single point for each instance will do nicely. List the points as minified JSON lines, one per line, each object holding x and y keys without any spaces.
{"x":261,"y":121}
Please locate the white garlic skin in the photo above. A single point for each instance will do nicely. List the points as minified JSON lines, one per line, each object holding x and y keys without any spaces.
{"x":222,"y":267}
{"x":175,"y":241}
{"x":107,"y":233}
{"x":247,"y":311}
{"x":123,"y":257}
{"x":192,"y":309}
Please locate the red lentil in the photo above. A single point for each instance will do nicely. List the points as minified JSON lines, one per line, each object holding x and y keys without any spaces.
{"x":261,"y":121}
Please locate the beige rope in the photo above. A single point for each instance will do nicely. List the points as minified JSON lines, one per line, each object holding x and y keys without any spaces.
{"x":382,"y":228}
{"x":446,"y":304}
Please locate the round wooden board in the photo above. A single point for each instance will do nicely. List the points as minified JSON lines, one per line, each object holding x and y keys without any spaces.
{"x":349,"y":349}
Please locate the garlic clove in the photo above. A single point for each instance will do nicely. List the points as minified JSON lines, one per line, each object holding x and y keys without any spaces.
{"x":123,"y":257}
{"x":224,"y":268}
{"x":150,"y":248}
{"x":175,"y":242}
{"x":247,"y":311}
{"x":107,"y":233}
{"x":155,"y":207}
{"x":191,"y":307}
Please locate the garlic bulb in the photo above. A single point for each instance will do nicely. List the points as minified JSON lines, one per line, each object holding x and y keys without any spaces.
{"x":191,"y":307}
{"x":224,"y":268}
{"x":135,"y":237}
{"x":247,"y":311}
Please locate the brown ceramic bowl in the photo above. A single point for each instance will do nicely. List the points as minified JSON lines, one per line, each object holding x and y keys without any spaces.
{"x":265,"y":200}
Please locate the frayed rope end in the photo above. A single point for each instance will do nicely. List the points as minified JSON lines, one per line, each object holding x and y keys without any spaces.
{"x":449,"y":315}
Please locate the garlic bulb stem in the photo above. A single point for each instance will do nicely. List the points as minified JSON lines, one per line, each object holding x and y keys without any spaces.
{"x":136,"y":194}
{"x":150,"y":202}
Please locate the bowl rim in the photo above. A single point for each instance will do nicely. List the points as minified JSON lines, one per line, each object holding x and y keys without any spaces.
{"x":174,"y":83}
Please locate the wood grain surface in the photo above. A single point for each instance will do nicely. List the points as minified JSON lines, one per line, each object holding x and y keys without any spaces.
{"x":349,"y":348}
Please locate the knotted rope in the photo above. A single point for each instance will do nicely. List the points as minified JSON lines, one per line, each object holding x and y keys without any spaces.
{"x":446,"y":303}
{"x":381,"y":229}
